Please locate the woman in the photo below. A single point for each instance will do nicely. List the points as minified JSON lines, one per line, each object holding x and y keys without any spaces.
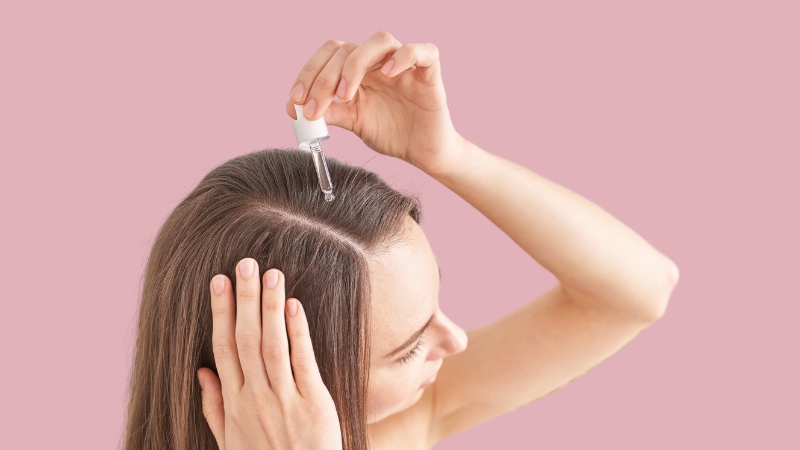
{"x":370,"y":361}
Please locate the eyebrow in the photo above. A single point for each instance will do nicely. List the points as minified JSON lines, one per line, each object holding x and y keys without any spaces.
{"x":416,"y":335}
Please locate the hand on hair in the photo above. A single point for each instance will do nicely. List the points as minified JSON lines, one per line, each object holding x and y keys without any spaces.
{"x":402,"y":113}
{"x":259,"y":403}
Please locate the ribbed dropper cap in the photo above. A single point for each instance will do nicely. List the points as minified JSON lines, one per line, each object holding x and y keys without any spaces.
{"x":306,"y":130}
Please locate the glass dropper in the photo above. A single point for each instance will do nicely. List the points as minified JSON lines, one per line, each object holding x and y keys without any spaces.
{"x":308,"y":134}
{"x":322,"y":170}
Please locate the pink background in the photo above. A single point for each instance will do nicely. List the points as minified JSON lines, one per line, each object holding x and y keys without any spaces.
{"x":681,"y":119}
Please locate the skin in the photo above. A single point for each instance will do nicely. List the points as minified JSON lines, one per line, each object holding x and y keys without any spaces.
{"x":612,"y":284}
{"x":257,"y":402}
{"x":405,"y":294}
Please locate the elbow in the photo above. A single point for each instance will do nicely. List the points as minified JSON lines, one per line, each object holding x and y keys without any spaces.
{"x":663,"y":294}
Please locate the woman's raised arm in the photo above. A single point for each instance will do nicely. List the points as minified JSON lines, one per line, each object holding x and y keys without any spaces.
{"x":613,"y":284}
{"x":600,"y":262}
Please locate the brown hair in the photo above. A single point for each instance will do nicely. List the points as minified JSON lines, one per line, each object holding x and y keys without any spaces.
{"x":266,"y":205}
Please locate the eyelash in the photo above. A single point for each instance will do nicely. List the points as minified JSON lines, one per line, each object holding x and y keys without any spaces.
{"x":412,"y":353}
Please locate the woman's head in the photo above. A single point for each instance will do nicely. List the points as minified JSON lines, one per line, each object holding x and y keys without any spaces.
{"x":360,"y":264}
{"x":410,"y":334}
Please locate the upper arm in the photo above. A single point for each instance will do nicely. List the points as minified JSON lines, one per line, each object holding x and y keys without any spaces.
{"x":524,"y":356}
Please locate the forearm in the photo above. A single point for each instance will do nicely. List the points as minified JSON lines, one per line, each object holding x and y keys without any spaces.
{"x":596,"y":258}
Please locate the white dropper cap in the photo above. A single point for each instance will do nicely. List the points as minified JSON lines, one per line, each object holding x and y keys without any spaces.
{"x":307,"y":130}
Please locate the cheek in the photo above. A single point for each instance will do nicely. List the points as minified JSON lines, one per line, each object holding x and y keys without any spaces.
{"x":392,"y":387}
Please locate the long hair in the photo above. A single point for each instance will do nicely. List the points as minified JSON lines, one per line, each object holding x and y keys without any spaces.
{"x":266,"y":205}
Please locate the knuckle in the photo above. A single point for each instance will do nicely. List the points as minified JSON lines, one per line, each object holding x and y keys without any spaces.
{"x":318,"y":407}
{"x":220,"y":307}
{"x":349,"y":46}
{"x":304,"y":366}
{"x":298,"y":333}
{"x":218,"y":311}
{"x":305,"y":74}
{"x":383,"y":36}
{"x":323,"y":83}
{"x":312,"y":408}
{"x":246,"y":292}
{"x":433,"y":49}
{"x":272,"y":305}
{"x":260,"y":403}
{"x":332,"y":44}
{"x":260,"y":399}
{"x":254,"y":406}
{"x":236,"y":409}
{"x":274,"y":353}
{"x":222,"y":347}
{"x":304,"y":362}
{"x":353,"y":63}
{"x":248,"y":343}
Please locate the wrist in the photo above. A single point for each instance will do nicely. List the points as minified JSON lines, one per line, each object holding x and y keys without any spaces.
{"x":453,"y":160}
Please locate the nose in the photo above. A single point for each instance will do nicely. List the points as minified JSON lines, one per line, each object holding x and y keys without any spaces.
{"x":452,"y":339}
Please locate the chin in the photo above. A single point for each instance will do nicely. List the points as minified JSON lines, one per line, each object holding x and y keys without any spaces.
{"x":410,"y":401}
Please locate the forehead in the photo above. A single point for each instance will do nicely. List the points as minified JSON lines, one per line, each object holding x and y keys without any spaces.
{"x":405,"y":282}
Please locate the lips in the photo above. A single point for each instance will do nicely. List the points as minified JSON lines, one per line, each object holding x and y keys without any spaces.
{"x":433,"y":378}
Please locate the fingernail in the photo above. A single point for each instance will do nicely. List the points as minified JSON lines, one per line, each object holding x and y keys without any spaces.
{"x":272,"y":278}
{"x":218,"y":283}
{"x":246,"y":268}
{"x":200,"y":379}
{"x":388,"y":66}
{"x":342,"y":89}
{"x":291,"y":307}
{"x":309,"y":109}
{"x":297,"y":92}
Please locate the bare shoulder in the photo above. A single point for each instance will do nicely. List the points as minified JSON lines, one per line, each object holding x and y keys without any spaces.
{"x":526,"y":355}
{"x":406,"y":430}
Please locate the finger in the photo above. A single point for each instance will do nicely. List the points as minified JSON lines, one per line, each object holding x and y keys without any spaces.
{"x":325,"y":85}
{"x":213,"y":409}
{"x":248,"y":323}
{"x":365,"y":58}
{"x":311,"y":70}
{"x":274,"y":343}
{"x":223,"y":341}
{"x":424,"y":56}
{"x":304,"y":364}
{"x":337,"y":114}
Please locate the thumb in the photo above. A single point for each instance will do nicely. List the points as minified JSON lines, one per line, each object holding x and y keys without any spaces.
{"x":213,"y":410}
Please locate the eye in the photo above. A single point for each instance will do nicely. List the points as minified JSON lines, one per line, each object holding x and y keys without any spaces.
{"x":412,"y":353}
